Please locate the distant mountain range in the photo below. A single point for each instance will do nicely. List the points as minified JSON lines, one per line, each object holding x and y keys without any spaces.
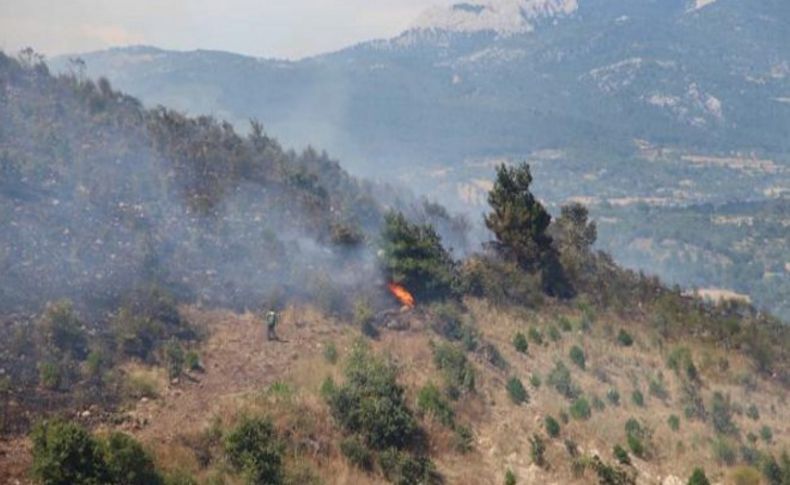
{"x":673,"y":104}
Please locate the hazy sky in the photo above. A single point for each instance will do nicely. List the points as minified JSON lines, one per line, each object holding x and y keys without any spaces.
{"x":269,"y":28}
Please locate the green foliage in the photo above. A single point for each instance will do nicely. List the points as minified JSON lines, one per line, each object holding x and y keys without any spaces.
{"x":766,"y":433}
{"x":577,"y":357}
{"x":625,"y":338}
{"x":516,"y":391}
{"x":698,"y":477}
{"x":127,"y":462}
{"x":721,"y":414}
{"x":65,"y":454}
{"x":254,"y":448}
{"x":580,"y":409}
{"x":613,"y":396}
{"x":330,"y":353}
{"x":174,"y":359}
{"x":500,"y":281}
{"x":565,"y":324}
{"x":745,"y":475}
{"x":674,"y":422}
{"x":637,"y":398}
{"x":448,"y":322}
{"x":510,"y":478}
{"x":680,"y":361}
{"x":621,"y":455}
{"x":61,"y":331}
{"x":49,"y":375}
{"x":364,"y":318}
{"x":636,"y":445}
{"x":431,"y":402}
{"x":371,"y":403}
{"x":597,"y":403}
{"x":636,"y":437}
{"x":463,"y":439}
{"x":520,"y":343}
{"x":534,"y":380}
{"x":535,"y":335}
{"x":357,"y":452}
{"x":414,"y":257}
{"x":658,"y":388}
{"x":554,"y":334}
{"x":552,"y":426}
{"x":458,"y":373}
{"x":560,"y":379}
{"x":610,"y":475}
{"x":403,"y":468}
{"x":537,"y":450}
{"x":752,"y":412}
{"x":192,"y":361}
{"x":724,"y":450}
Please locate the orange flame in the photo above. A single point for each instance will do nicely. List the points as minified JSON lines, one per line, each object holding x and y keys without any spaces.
{"x":402,"y":294}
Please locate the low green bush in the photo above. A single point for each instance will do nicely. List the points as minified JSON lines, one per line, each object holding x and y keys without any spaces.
{"x":613,"y":396}
{"x":637,"y":398}
{"x":403,"y":468}
{"x":516,"y":391}
{"x":552,"y":427}
{"x":520,"y":343}
{"x":253,"y":447}
{"x":535,"y":335}
{"x":537,"y":450}
{"x":577,"y":357}
{"x":534,"y":380}
{"x":580,"y":409}
{"x":430,"y":402}
{"x":459,"y":376}
{"x":357,"y":452}
{"x":560,"y":379}
{"x":674,"y":422}
{"x":624,"y":338}
{"x":330,"y":353}
{"x":621,"y":455}
{"x":698,"y":477}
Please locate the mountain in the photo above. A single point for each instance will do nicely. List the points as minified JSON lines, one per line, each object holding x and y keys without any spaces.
{"x":615,"y":103}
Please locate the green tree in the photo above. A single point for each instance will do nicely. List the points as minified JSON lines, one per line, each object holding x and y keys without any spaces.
{"x":413,"y":256}
{"x":698,"y":477}
{"x":127,"y":461}
{"x":254,"y":448}
{"x":66,"y":454}
{"x":575,"y":234}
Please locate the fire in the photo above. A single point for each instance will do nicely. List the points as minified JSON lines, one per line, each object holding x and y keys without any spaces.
{"x":402,"y":294}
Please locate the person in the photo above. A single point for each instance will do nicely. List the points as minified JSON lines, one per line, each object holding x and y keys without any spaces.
{"x":271,"y":324}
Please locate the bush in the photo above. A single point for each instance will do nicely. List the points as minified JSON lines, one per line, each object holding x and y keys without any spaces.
{"x":330,"y":353}
{"x":192,"y":361}
{"x":674,"y":422}
{"x":174,"y":359}
{"x":448,"y":320}
{"x":516,"y":391}
{"x":625,"y":338}
{"x":127,"y":462}
{"x":371,"y":403}
{"x":636,"y":435}
{"x":552,"y":427}
{"x":721,"y":414}
{"x":565,"y":324}
{"x":535,"y":335}
{"x":560,"y":379}
{"x":49,"y":375}
{"x":364,"y":318}
{"x":510,"y":478}
{"x":253,"y":447}
{"x":766,"y":434}
{"x":66,"y":453}
{"x":537,"y":450}
{"x":621,"y":455}
{"x":637,"y":398}
{"x":357,"y":453}
{"x":724,"y":451}
{"x":554,"y":334}
{"x":463,"y":439}
{"x":403,"y":468}
{"x":577,"y":357}
{"x":431,"y":402}
{"x":456,"y":369}
{"x":745,"y":475}
{"x":534,"y":380}
{"x":613,"y":396}
{"x":680,"y":361}
{"x":636,"y":445}
{"x":580,"y":409}
{"x":597,"y":403}
{"x":61,"y":331}
{"x":520,"y":343}
{"x":752,"y":412}
{"x":658,"y":388}
{"x":698,"y":478}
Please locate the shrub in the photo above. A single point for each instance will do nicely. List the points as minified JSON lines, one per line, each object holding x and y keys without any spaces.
{"x":534,"y":380}
{"x":580,"y":409}
{"x":723,"y":451}
{"x":431,"y":402}
{"x":613,"y":396}
{"x":773,"y":472}
{"x":141,"y":383}
{"x":621,"y":455}
{"x":674,"y":422}
{"x":637,"y":398}
{"x":516,"y":391}
{"x":510,"y":478}
{"x":636,"y":435}
{"x":456,"y":369}
{"x":463,"y":439}
{"x":552,"y":427}
{"x":554,"y":334}
{"x":330,"y":353}
{"x":65,"y":453}
{"x":357,"y":452}
{"x":192,"y":361}
{"x":535,"y":335}
{"x":560,"y":379}
{"x":253,"y":447}
{"x":625,"y":338}
{"x":680,"y":361}
{"x":745,"y":475}
{"x":49,"y":375}
{"x":448,"y":322}
{"x":636,"y":445}
{"x":721,"y":414}
{"x":752,"y":412}
{"x":404,"y":469}
{"x":565,"y":324}
{"x":658,"y":389}
{"x":62,"y":332}
{"x":609,"y":475}
{"x":492,"y":355}
{"x":577,"y":356}
{"x":766,"y":434}
{"x":537,"y":450}
{"x":751,"y":455}
{"x":520,"y":343}
{"x":174,"y":358}
{"x":597,"y":403}
{"x":364,"y":318}
{"x":698,"y":478}
{"x":371,"y":403}
{"x":127,"y":462}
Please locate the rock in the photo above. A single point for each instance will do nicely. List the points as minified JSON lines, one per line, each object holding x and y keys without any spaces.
{"x":85,"y":414}
{"x":143,"y":400}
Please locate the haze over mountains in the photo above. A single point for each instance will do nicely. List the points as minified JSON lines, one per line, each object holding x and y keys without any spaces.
{"x":627,"y":106}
